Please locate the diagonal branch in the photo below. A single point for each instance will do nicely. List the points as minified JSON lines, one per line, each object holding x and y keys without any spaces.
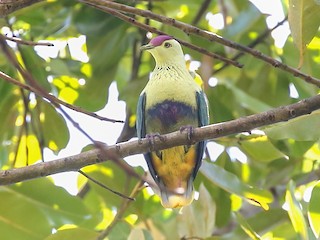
{"x":26,"y":42}
{"x":41,"y":92}
{"x":9,"y":6}
{"x":189,"y":29}
{"x":244,"y":124}
{"x":154,"y":30}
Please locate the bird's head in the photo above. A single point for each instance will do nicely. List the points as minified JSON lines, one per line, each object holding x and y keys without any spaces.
{"x":165,"y":50}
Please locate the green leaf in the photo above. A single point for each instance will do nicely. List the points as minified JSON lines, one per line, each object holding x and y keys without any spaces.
{"x":44,"y":207}
{"x":55,"y":130}
{"x":295,"y":212}
{"x":314,"y":210}
{"x":56,"y":204}
{"x":141,"y":234}
{"x":232,"y":184}
{"x":120,"y":231}
{"x":247,"y":101}
{"x":74,"y":233}
{"x":35,"y":65}
{"x":244,"y":21}
{"x":260,"y":148}
{"x":105,"y":52}
{"x":304,"y":128}
{"x":31,"y":225}
{"x":246,"y":227}
{"x":200,"y":214}
{"x":304,"y":22}
{"x":9,"y":110}
{"x":113,"y":177}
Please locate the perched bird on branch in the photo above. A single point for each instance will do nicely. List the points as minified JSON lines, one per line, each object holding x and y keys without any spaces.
{"x":170,"y":101}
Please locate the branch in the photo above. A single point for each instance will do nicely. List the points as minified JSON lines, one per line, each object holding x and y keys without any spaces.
{"x":9,"y":6}
{"x":244,"y":124}
{"x":35,"y":88}
{"x":204,"y":6}
{"x":189,"y":29}
{"x":154,"y":30}
{"x":25,"y":42}
{"x":255,"y":42}
{"x":121,"y":211}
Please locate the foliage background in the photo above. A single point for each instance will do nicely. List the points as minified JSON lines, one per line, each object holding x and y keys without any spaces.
{"x":269,"y":191}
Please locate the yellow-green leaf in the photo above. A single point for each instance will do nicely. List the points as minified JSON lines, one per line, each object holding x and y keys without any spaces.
{"x":304,"y":128}
{"x":231,"y":183}
{"x":246,"y":227}
{"x":304,"y":22}
{"x":200,"y":215}
{"x":295,"y":212}
{"x":261,"y":149}
{"x":314,"y":210}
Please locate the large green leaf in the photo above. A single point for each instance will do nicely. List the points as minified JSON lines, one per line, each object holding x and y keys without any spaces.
{"x":44,"y":207}
{"x":120,"y":231}
{"x":260,"y":148}
{"x":304,"y":22}
{"x":200,"y":214}
{"x":304,"y":128}
{"x":55,"y":130}
{"x":247,"y":101}
{"x":57,"y":205}
{"x":295,"y":212}
{"x":273,"y":221}
{"x":113,"y":177}
{"x":138,"y":233}
{"x":31,"y":225}
{"x":246,"y":227}
{"x":231,"y":183}
{"x":74,"y":233}
{"x":8,"y":110}
{"x":105,"y":52}
{"x":35,"y":65}
{"x":314,"y":210}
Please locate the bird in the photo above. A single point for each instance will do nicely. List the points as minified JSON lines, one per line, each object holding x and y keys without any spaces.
{"x":172,"y":100}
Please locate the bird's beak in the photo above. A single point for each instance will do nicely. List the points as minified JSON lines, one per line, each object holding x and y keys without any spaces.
{"x":146,"y":47}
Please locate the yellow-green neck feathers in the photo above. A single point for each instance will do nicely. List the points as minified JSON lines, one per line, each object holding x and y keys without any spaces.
{"x":170,"y":78}
{"x":172,"y":55}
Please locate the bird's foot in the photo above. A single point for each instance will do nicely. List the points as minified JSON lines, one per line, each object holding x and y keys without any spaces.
{"x":189,"y":129}
{"x":151,"y":139}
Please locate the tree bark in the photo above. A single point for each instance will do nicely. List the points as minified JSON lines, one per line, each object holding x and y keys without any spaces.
{"x":9,"y":6}
{"x":118,"y":151}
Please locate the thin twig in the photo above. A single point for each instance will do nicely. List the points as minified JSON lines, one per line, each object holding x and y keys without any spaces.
{"x":204,"y":6}
{"x":189,"y":29}
{"x":178,"y":138}
{"x":33,"y":85}
{"x":154,"y":30}
{"x":105,"y":187}
{"x":55,"y":100}
{"x":121,"y":211}
{"x":25,"y":42}
{"x":255,"y":42}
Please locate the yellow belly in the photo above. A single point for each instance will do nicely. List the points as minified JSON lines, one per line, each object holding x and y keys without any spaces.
{"x":176,"y":167}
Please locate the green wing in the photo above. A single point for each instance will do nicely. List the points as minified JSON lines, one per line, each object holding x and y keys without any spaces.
{"x":141,"y":131}
{"x":140,"y":122}
{"x":203,"y":118}
{"x":203,"y":113}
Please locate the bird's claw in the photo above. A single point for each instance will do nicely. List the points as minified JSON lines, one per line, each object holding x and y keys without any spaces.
{"x":151,"y":139}
{"x":189,"y":129}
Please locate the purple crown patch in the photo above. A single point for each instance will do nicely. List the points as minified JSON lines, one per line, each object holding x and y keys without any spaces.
{"x":157,"y":41}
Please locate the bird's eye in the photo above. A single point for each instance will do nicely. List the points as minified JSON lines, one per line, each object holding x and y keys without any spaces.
{"x":167,"y":45}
